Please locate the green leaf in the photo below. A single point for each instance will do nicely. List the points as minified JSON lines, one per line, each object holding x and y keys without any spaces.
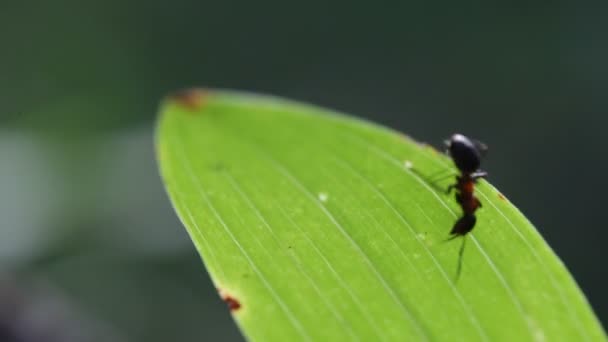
{"x":327,"y":228}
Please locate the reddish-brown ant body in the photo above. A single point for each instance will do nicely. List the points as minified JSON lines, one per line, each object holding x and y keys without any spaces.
{"x":466,"y":154}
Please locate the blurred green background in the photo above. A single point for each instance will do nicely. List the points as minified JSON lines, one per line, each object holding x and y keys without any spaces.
{"x":90,"y":249}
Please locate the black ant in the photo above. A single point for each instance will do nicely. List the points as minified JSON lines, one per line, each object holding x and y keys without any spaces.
{"x":466,"y":154}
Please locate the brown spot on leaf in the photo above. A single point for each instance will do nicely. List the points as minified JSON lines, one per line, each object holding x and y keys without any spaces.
{"x":231,"y":301}
{"x":192,"y":99}
{"x":501,"y":196}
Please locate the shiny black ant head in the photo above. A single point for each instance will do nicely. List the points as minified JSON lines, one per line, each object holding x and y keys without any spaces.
{"x":465,"y":153}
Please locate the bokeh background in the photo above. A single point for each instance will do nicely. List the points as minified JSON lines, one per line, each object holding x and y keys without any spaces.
{"x":90,"y":249}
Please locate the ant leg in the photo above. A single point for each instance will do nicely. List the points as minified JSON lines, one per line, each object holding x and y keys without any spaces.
{"x":441,"y":175}
{"x":431,"y":180}
{"x":479,"y":174}
{"x":481,"y":147}
{"x":454,"y":236}
{"x":460,"y":254}
{"x":450,"y":188}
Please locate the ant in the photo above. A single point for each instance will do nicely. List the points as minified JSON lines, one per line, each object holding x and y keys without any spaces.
{"x":466,"y":154}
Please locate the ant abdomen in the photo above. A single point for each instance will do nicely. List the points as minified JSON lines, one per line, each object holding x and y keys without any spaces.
{"x":464,"y":225}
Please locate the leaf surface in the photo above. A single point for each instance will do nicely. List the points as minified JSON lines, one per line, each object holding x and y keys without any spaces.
{"x":315,"y":226}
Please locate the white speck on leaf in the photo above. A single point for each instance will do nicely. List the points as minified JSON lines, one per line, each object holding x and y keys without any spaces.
{"x":323,"y":197}
{"x":408,"y":164}
{"x":539,"y":335}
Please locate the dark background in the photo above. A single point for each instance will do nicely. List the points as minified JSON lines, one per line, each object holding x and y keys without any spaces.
{"x":90,"y":248}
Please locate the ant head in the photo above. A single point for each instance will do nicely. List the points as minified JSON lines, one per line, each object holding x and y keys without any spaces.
{"x":465,"y":153}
